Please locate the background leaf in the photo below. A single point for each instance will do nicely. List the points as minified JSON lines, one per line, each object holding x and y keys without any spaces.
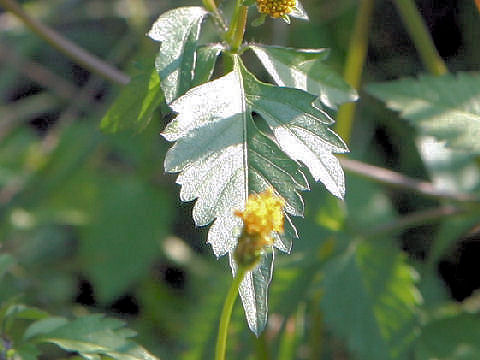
{"x":6,"y":261}
{"x":370,"y":299}
{"x":447,"y":107}
{"x":91,"y":336}
{"x":122,"y":241}
{"x":451,"y":337}
{"x":134,"y":107}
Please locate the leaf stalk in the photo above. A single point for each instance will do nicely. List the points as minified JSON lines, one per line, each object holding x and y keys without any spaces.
{"x":232,"y":294}
{"x":234,"y":35}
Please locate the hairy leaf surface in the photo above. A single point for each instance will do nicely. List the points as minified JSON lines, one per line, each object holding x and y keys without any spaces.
{"x":178,"y":32}
{"x":222,"y":157}
{"x":370,"y":299}
{"x":447,"y":107}
{"x":304,"y":69}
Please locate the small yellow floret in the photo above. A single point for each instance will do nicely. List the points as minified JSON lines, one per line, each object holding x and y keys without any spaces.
{"x":276,"y":8}
{"x":263,"y":213}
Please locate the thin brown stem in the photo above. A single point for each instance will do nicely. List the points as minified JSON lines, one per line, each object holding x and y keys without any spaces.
{"x":417,"y":218}
{"x":38,"y":73}
{"x":65,"y":46}
{"x":397,"y":180}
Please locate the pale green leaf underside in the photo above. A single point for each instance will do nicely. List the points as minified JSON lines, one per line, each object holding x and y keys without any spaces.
{"x":304,"y":69}
{"x":222,"y":157}
{"x":92,"y":336}
{"x":447,"y":107}
{"x":370,"y":299}
{"x":178,"y":31}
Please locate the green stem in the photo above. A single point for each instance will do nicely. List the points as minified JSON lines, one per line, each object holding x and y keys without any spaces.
{"x":232,"y":294}
{"x":240,"y":31}
{"x":354,"y":65}
{"x":418,"y":31}
{"x":234,"y":35}
{"x":74,"y":52}
{"x":261,"y":348}
{"x":212,"y":7}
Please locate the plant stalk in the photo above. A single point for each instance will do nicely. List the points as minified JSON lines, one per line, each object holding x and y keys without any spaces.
{"x":212,"y":7}
{"x":354,"y":65}
{"x":232,"y":294}
{"x":420,"y":35}
{"x":234,"y":35}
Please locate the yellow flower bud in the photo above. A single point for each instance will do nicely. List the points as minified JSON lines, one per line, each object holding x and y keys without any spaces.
{"x":263,"y":214}
{"x":276,"y":8}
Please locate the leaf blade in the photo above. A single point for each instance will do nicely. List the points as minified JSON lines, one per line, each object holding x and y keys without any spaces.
{"x":304,"y":69}
{"x":178,"y":31}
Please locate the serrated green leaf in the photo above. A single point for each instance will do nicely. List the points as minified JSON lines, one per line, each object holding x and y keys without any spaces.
{"x":178,"y":31}
{"x":134,"y":107}
{"x":222,"y":157}
{"x":453,"y":337}
{"x":91,"y":336}
{"x":447,"y":107}
{"x":254,"y":292}
{"x":304,"y":69}
{"x":370,"y":300}
{"x":300,"y":127}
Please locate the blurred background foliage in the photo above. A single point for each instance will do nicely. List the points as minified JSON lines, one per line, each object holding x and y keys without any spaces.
{"x":94,"y":224}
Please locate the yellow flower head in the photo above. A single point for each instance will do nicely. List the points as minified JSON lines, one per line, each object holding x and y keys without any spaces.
{"x":276,"y":8}
{"x":263,"y":214}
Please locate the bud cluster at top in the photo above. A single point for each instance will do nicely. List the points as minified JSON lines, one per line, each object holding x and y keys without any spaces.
{"x":276,"y":8}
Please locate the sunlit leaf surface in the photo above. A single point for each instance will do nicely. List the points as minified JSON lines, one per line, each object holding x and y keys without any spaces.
{"x":222,"y":156}
{"x":305,"y":69}
{"x":178,"y":31}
